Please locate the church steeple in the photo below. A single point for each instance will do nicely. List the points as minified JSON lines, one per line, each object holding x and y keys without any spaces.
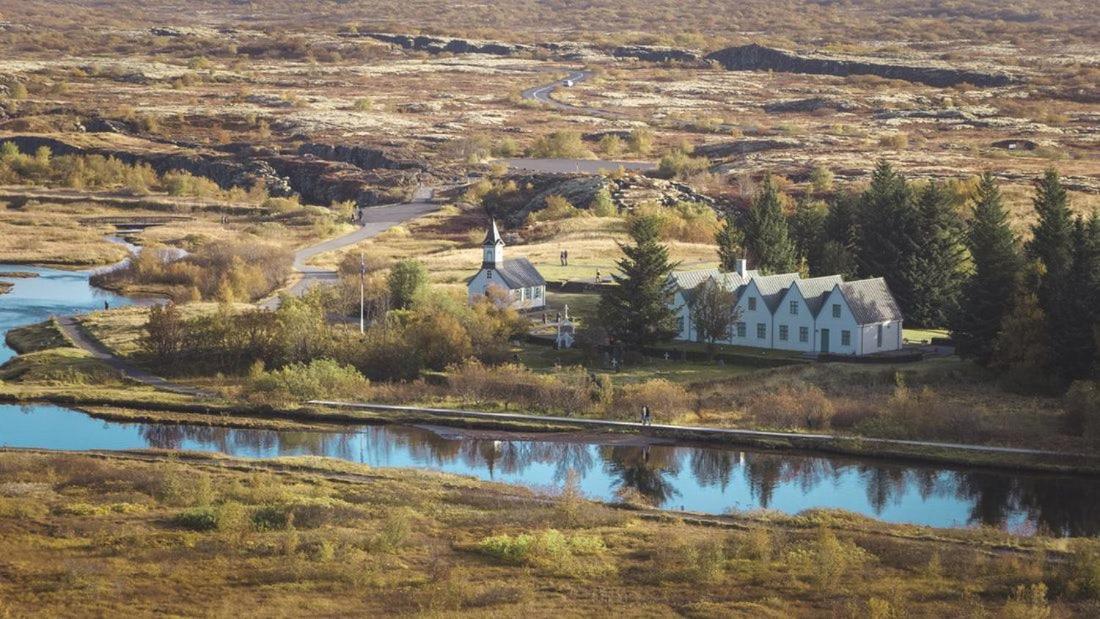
{"x":492,"y":248}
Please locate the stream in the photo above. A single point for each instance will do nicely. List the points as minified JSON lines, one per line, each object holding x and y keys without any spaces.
{"x":674,"y":476}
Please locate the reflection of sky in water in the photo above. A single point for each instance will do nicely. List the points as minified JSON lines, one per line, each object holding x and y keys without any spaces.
{"x":35,"y":299}
{"x":694,"y":478}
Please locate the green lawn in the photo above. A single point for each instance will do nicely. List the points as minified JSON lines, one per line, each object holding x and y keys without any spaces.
{"x":923,"y":335}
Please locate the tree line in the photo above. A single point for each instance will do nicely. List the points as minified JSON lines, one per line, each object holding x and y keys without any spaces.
{"x":1029,"y":310}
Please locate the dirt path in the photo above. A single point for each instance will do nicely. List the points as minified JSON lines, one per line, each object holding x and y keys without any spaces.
{"x":75,"y":332}
{"x":376,"y":220}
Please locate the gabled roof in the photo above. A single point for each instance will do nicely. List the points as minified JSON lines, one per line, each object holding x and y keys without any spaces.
{"x":492,"y":236}
{"x":870,"y":301}
{"x":519,"y":273}
{"x":815,"y":289}
{"x":686,"y":280}
{"x":772,"y":287}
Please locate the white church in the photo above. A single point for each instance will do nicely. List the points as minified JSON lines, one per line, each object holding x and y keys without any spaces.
{"x":785,"y":312}
{"x":516,"y":279}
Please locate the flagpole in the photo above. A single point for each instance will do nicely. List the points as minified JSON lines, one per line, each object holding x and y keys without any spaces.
{"x":362,"y":275}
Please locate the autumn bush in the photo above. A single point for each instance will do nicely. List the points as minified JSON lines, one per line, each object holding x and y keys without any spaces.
{"x":666,"y":400}
{"x":786,"y":406}
{"x":320,"y":378}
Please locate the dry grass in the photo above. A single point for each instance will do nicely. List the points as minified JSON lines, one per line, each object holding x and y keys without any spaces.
{"x":93,"y":535}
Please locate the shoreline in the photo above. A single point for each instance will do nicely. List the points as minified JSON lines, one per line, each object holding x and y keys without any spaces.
{"x":322,"y":418}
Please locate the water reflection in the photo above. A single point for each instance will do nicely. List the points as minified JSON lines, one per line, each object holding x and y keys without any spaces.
{"x":696,"y":478}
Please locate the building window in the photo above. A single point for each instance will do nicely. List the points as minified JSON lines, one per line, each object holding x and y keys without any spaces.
{"x":752,"y":304}
{"x":761,"y":330}
{"x":836,"y":310}
{"x":740,"y":329}
{"x":537,"y":292}
{"x":845,"y":338}
{"x":803,"y":334}
{"x":783,"y":332}
{"x":489,"y":274}
{"x":794,"y":308}
{"x":680,"y":324}
{"x":880,"y":336}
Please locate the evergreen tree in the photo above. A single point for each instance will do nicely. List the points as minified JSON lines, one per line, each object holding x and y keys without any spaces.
{"x":638,"y":310}
{"x":731,"y":244}
{"x":1052,"y":238}
{"x":807,"y":228}
{"x":987,"y":295}
{"x":888,"y":232}
{"x":934,"y":271}
{"x":841,"y":237}
{"x":767,"y":238}
{"x":1074,"y":316}
{"x":1022,"y":348}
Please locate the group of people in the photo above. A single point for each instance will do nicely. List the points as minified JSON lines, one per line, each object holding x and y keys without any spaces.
{"x":564,"y":257}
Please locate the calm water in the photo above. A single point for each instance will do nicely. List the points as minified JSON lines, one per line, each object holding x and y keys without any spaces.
{"x":34,"y":299}
{"x":690,"y":477}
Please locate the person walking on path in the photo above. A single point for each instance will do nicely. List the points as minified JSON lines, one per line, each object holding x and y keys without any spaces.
{"x":106,"y":305}
{"x":565,"y":257}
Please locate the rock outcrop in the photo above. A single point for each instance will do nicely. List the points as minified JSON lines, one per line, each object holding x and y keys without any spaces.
{"x":721,"y":150}
{"x":811,"y":104}
{"x":317,"y":180}
{"x":759,"y":58}
{"x":653,"y":53}
{"x":438,"y":45}
{"x":367,"y":157}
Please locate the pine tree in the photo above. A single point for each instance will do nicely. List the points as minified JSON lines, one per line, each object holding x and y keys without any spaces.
{"x":987,"y":295}
{"x":1074,"y":316}
{"x":841,"y":237}
{"x":1052,"y":238}
{"x":767,"y":238}
{"x":807,"y":228}
{"x":1022,"y":348}
{"x":934,"y":271}
{"x":638,"y":310}
{"x":888,"y":232}
{"x":731,"y":244}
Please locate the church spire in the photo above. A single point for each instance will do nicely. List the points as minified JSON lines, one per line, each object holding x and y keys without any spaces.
{"x":492,"y":247}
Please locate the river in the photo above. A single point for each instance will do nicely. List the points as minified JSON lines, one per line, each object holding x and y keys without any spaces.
{"x":692,"y":477}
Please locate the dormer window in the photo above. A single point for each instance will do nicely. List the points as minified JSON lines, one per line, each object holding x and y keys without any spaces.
{"x":752,"y":304}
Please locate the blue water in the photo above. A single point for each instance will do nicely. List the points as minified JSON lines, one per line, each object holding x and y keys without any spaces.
{"x":691,"y":477}
{"x":54,"y":291}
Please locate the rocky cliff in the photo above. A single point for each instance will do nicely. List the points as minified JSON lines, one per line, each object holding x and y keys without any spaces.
{"x":759,"y":58}
{"x":316,"y":179}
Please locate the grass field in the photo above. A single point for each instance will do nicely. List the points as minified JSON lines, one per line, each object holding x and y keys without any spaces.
{"x":129,"y":534}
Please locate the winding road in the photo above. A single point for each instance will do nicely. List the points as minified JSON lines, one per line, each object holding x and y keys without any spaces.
{"x":375,"y":221}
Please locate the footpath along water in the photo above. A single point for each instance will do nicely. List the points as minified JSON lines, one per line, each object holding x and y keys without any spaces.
{"x":703,"y":479}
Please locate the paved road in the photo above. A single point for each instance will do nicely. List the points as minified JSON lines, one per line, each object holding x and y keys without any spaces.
{"x":542,"y":93}
{"x":376,"y":220}
{"x":82,"y":339}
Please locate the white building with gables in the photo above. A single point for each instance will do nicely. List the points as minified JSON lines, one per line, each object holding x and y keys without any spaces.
{"x":516,"y":280}
{"x":786,"y":312}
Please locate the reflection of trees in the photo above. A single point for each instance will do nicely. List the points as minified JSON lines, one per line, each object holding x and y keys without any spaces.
{"x":713,"y":467}
{"x":644,"y":469}
{"x":1060,"y":505}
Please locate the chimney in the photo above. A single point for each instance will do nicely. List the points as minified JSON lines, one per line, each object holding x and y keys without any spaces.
{"x":742,"y":267}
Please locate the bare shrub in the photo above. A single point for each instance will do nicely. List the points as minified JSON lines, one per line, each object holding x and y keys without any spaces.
{"x":788,"y":407}
{"x":665,"y":400}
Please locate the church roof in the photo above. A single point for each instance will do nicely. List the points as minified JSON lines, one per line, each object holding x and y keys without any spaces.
{"x":515,"y":273}
{"x":492,"y":236}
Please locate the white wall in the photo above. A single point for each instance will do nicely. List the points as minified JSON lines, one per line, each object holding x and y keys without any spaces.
{"x":891,"y":337}
{"x":752,"y":318}
{"x":836,"y":326}
{"x":804,"y":318}
{"x":527,"y":301}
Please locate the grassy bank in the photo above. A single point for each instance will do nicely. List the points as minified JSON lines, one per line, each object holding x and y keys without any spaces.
{"x":99,"y":534}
